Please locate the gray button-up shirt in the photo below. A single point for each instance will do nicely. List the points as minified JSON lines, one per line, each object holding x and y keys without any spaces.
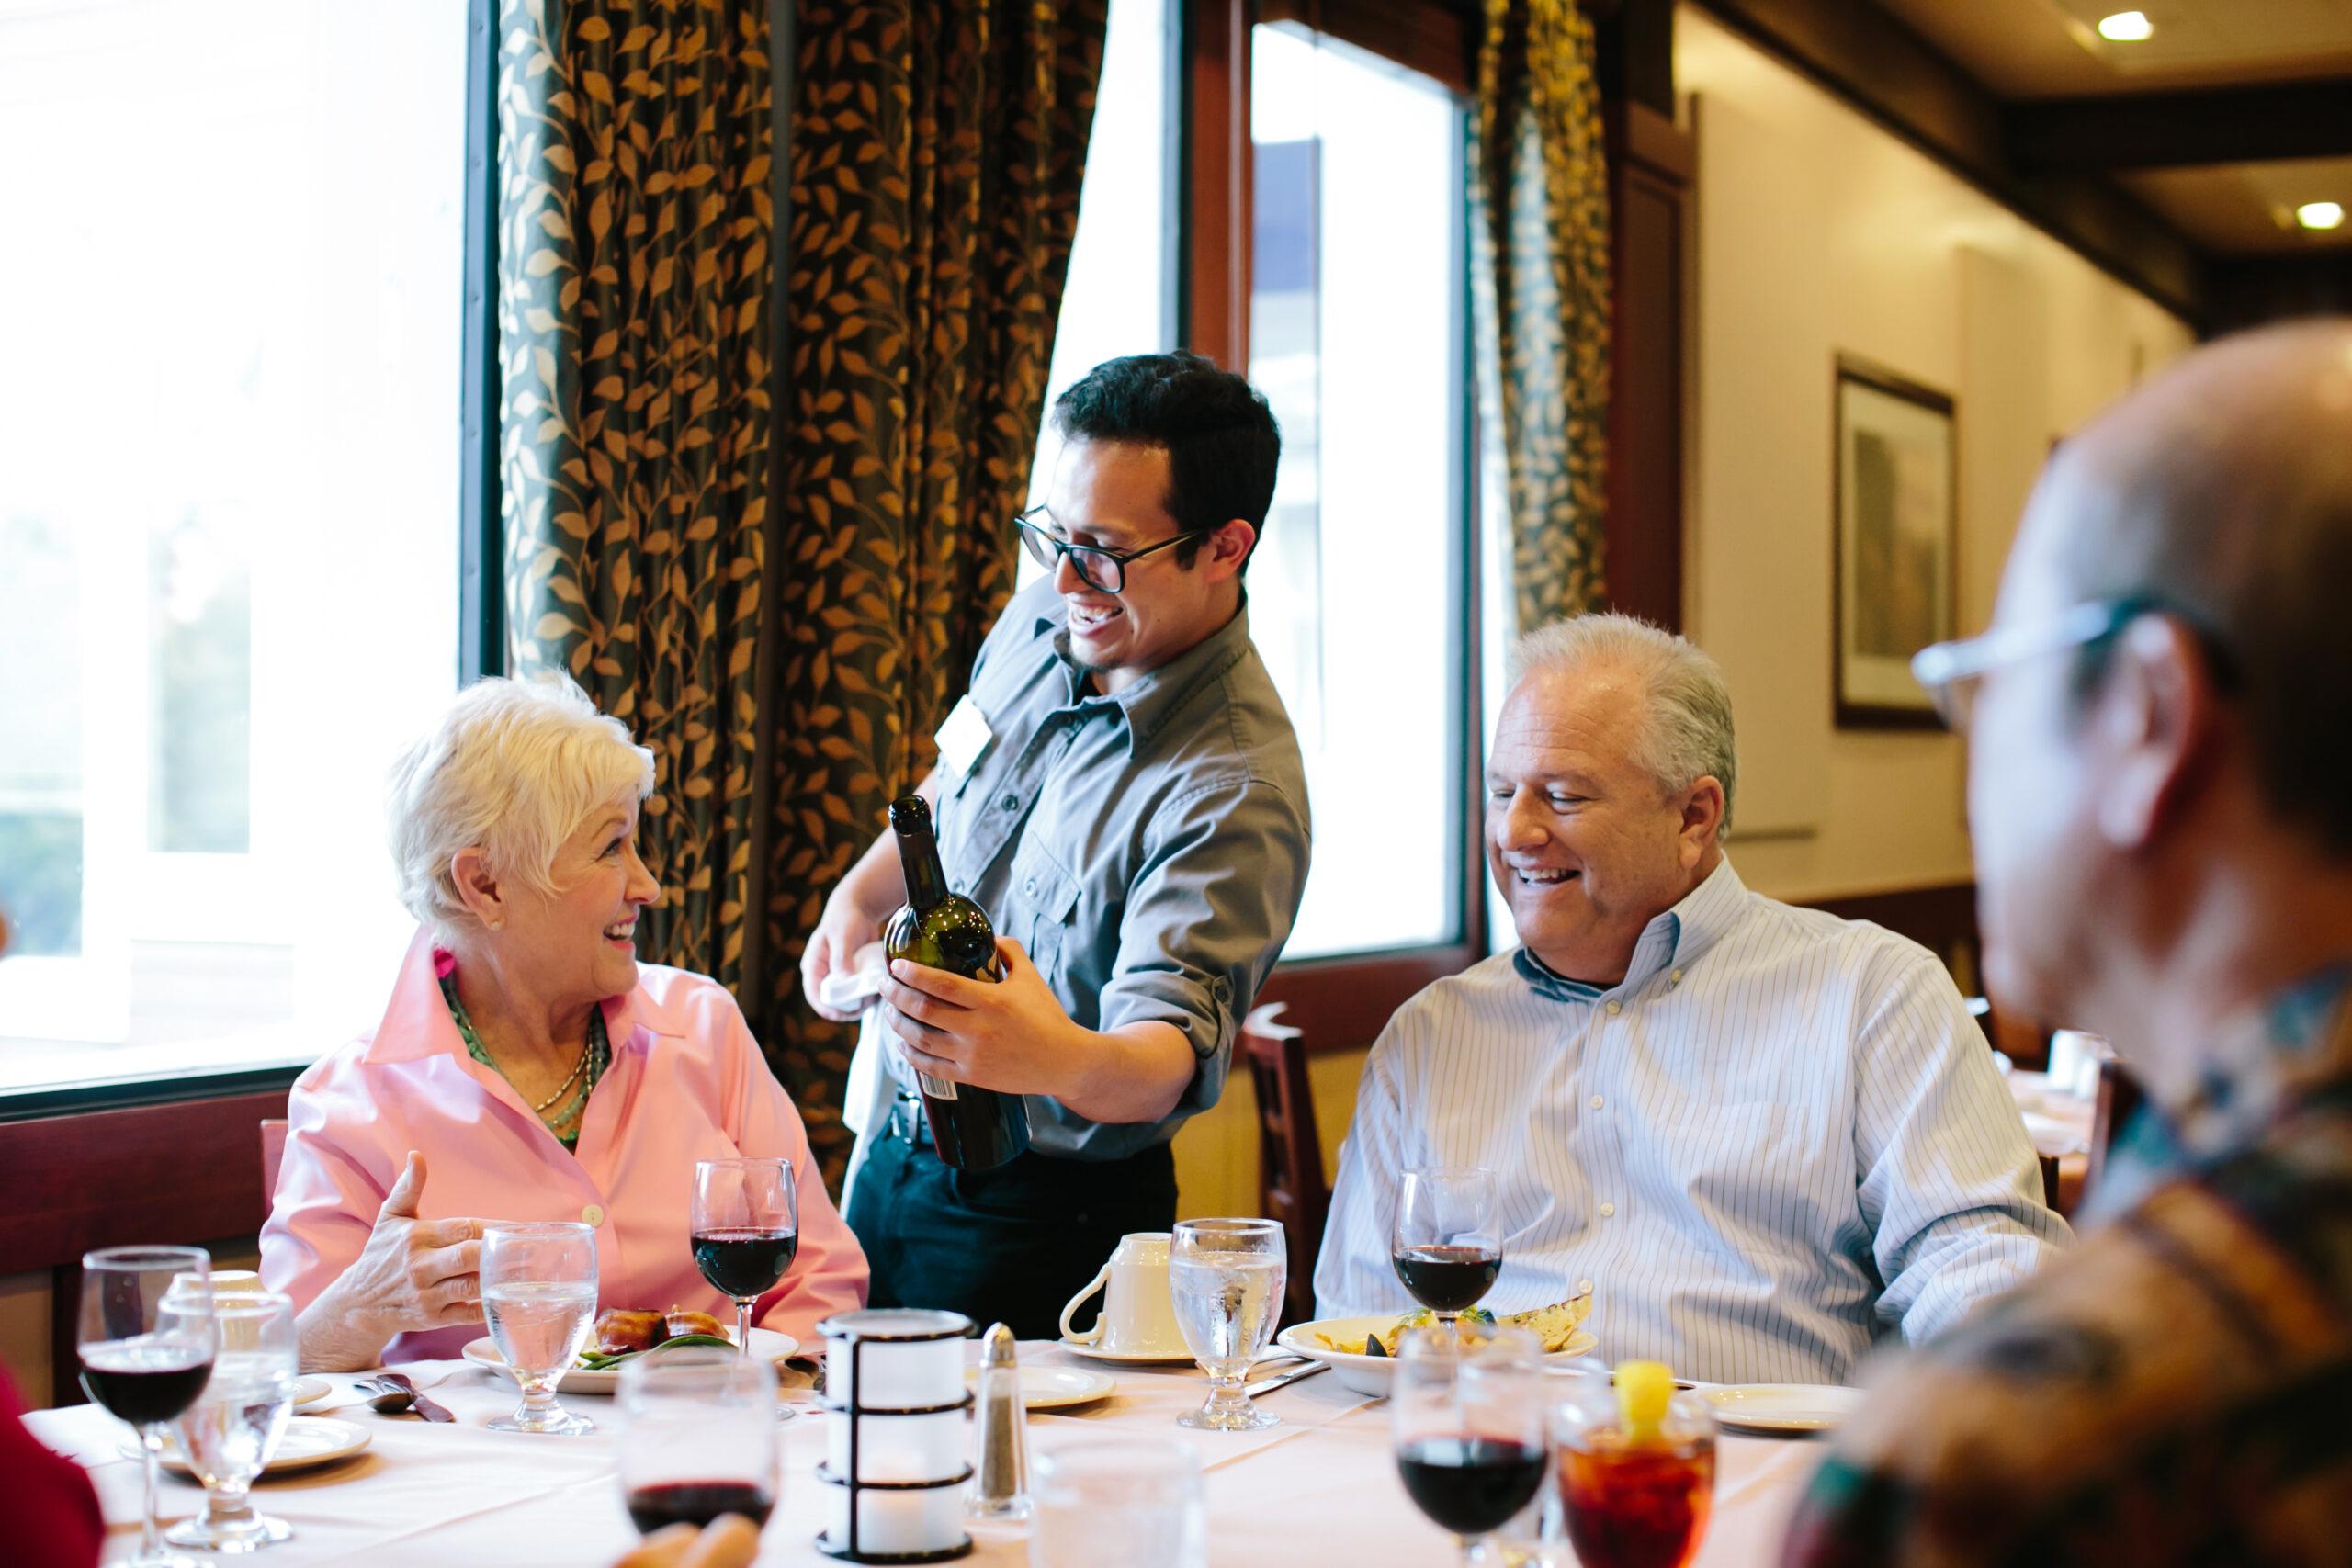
{"x":1147,"y":848}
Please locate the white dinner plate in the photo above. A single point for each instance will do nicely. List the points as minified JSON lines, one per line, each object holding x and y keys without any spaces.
{"x":1370,"y":1375}
{"x":1095,"y":1352}
{"x":309,"y":1441}
{"x":1055,"y":1388}
{"x":1782,"y":1406}
{"x":483,"y":1353}
{"x":309,"y":1391}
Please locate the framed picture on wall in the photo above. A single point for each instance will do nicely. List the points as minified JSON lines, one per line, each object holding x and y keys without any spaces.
{"x":1892,"y":567}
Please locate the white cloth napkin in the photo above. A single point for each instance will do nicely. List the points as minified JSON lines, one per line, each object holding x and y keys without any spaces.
{"x":865,"y":1101}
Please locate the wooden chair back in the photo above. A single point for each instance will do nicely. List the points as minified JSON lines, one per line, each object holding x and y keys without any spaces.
{"x":1291,"y":1184}
{"x":2120,"y":1098}
{"x":273,"y":1154}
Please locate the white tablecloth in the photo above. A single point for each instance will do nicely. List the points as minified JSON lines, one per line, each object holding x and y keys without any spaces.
{"x":1321,"y":1487}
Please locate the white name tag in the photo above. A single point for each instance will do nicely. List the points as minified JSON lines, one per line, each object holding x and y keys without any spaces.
{"x":964,"y":737}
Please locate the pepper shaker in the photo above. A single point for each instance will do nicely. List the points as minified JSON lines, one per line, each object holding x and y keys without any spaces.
{"x":1000,"y":1480}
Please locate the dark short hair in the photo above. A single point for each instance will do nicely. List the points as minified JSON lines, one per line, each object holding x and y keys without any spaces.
{"x":1220,"y":436}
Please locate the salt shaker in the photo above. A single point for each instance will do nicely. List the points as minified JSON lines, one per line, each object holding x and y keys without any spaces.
{"x":1000,"y":1480}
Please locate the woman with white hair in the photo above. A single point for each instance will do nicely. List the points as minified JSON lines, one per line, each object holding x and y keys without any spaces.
{"x":528,"y":1060}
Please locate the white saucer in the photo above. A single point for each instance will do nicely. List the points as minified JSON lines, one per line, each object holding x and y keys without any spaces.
{"x":309,"y":1391}
{"x":309,"y":1441}
{"x":1055,"y":1388}
{"x":1782,"y":1406}
{"x":1127,"y":1358}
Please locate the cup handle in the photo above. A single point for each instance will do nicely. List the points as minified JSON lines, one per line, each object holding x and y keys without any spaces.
{"x":1095,"y":1333}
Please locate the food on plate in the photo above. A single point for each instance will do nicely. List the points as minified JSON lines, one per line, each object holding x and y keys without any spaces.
{"x":1555,"y":1325}
{"x":680,"y":1321}
{"x":622,"y":1332}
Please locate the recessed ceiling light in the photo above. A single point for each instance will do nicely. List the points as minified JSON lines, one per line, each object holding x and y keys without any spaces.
{"x":2127,"y":27}
{"x":2320,"y":214}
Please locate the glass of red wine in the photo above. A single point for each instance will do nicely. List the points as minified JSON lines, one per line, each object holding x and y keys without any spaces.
{"x":1447,"y":1243}
{"x":146,"y":1351}
{"x":746,"y":1231}
{"x":1467,"y":1418}
{"x":697,"y":1437}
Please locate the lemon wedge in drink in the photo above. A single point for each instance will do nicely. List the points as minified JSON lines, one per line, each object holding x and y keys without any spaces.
{"x":1643,"y":1391}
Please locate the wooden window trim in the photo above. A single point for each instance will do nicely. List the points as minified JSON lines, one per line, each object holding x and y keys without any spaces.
{"x":1341,"y":1003}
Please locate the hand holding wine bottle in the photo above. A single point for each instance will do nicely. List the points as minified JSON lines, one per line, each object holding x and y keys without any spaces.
{"x":971,"y":1128}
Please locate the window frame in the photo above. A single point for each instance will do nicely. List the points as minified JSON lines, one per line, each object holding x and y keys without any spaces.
{"x":1341,"y":1002}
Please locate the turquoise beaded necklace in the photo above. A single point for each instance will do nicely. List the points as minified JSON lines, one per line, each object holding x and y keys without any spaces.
{"x":594,"y":1059}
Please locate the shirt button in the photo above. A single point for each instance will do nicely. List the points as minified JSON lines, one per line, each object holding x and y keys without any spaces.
{"x":1674,"y":977}
{"x":1607,"y":1210}
{"x":1029,"y":885}
{"x":1614,"y":1009}
{"x":1596,"y":1102}
{"x":594,"y":1214}
{"x":1584,"y":1286}
{"x":1010,"y":803}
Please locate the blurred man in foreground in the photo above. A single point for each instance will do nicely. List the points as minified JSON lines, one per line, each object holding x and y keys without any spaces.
{"x":1759,"y":1136}
{"x":2161,"y":728}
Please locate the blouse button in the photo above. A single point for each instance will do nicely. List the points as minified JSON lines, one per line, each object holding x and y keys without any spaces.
{"x":594,"y":1214}
{"x":1614,"y":1009}
{"x":1598,"y":1102}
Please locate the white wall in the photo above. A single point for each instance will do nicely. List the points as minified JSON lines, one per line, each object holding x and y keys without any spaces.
{"x":1819,"y":233}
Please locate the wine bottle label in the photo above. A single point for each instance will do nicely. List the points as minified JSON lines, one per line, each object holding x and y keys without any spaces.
{"x":938,"y":1089}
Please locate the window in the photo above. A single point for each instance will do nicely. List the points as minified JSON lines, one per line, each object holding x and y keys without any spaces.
{"x":1356,"y":327}
{"x":1357,"y":337}
{"x":1117,"y":298}
{"x":228,"y":526}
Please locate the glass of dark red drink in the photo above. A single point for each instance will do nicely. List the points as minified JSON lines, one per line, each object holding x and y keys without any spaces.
{"x":1468,"y":1420}
{"x":746,"y":1231}
{"x":1636,"y":1484}
{"x":1447,"y":1242}
{"x":146,"y":1351}
{"x":697,"y":1437}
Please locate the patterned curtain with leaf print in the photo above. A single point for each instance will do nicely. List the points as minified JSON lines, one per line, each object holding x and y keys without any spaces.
{"x":634,"y":276}
{"x":937,"y":148}
{"x":1540,"y":236}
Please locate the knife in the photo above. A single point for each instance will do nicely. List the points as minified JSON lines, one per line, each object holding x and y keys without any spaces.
{"x":1268,"y":1385}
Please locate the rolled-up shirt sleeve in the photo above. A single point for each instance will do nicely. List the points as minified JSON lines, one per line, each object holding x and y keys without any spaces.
{"x":1206,"y":917}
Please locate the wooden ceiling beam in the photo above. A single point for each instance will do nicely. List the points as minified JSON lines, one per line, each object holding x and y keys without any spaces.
{"x":1871,"y":59}
{"x":2161,"y":130}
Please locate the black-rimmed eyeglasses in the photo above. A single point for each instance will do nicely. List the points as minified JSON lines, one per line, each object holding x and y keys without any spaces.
{"x":1098,"y":566}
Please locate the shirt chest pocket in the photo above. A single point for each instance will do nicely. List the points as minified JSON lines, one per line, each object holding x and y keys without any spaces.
{"x":1045,"y":898}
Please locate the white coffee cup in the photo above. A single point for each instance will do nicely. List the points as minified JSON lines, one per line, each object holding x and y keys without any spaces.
{"x":1137,"y":1318}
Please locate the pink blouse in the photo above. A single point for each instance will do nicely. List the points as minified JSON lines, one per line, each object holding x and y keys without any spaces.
{"x":686,"y":1083}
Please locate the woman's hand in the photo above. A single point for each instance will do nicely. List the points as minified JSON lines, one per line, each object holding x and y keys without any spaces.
{"x":413,"y":1275}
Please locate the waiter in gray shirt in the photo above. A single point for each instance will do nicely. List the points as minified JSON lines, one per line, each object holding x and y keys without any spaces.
{"x":1122,"y":792}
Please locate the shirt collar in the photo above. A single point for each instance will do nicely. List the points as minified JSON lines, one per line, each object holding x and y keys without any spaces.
{"x":416,"y":1021}
{"x":1148,"y":702}
{"x":1674,"y":939}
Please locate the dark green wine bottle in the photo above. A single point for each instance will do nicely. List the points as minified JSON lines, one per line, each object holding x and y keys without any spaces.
{"x":971,"y":1128}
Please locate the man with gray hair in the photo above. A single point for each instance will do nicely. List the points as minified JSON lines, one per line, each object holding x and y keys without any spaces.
{"x":1759,"y":1136}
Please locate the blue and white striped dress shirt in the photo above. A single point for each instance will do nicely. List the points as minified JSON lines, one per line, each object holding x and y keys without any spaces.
{"x":1778,"y":1137}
